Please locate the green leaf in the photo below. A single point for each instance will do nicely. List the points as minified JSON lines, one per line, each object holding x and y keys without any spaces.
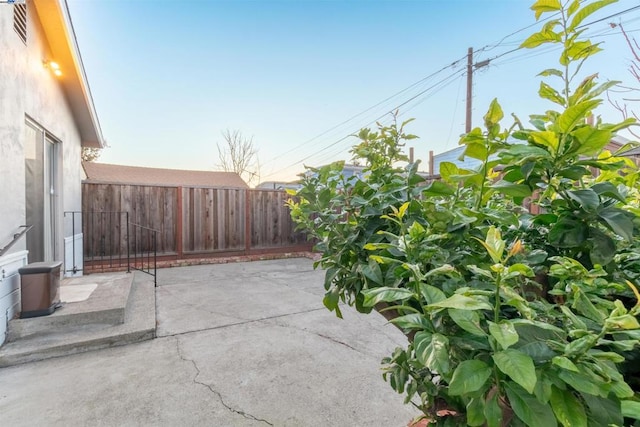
{"x":564,"y":363}
{"x":630,"y":409}
{"x":372,"y":272}
{"x":522,"y":152}
{"x":607,"y":189}
{"x":411,"y":321}
{"x":467,"y":320}
{"x":492,"y":412}
{"x":551,"y":72}
{"x":432,"y":350}
{"x":583,"y":383}
{"x":603,"y":248}
{"x":475,"y":412}
{"x":520,"y":269}
{"x":602,"y":412}
{"x":494,"y":244}
{"x":480,"y":271}
{"x":331,"y":300}
{"x":551,"y":94}
{"x":447,"y":169}
{"x":618,"y":221}
{"x":546,"y":138}
{"x":538,"y":351}
{"x":592,"y":141}
{"x":510,"y":189}
{"x":443,"y":269}
{"x":533,"y":330}
{"x":626,"y":321}
{"x":403,"y":209}
{"x":431,"y":294}
{"x":568,"y":409}
{"x":385,"y":294}
{"x":518,"y":366}
{"x":568,"y":233}
{"x":575,"y":115}
{"x":536,"y":39}
{"x":583,"y":305}
{"x":468,"y":377}
{"x":528,"y":408}
{"x":586,"y":11}
{"x":462,"y":302}
{"x":574,"y":172}
{"x":439,"y":188}
{"x":504,"y":332}
{"x":573,"y":7}
{"x":494,"y":114}
{"x":588,"y":199}
{"x":476,"y":150}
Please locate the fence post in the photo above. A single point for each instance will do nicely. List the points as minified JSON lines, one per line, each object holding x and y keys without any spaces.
{"x":247,"y":221}
{"x":179,"y":224}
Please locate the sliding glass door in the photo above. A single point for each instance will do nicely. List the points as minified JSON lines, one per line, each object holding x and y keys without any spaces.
{"x":41,"y":172}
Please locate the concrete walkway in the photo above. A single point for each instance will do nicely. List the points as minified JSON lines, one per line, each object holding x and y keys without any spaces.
{"x":244,"y":344}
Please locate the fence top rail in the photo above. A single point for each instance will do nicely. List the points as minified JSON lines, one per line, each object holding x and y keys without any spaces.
{"x":96,"y":212}
{"x":210,"y":187}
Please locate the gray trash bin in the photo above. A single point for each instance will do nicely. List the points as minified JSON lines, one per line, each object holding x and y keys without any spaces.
{"x":39,"y":289}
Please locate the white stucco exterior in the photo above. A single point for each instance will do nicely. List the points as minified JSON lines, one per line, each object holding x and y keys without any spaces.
{"x":59,"y":105}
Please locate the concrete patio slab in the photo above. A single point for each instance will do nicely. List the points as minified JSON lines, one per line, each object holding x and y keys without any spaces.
{"x":266,"y":353}
{"x":204,"y":297}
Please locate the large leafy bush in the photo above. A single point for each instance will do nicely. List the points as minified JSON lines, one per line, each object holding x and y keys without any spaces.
{"x":515,"y":316}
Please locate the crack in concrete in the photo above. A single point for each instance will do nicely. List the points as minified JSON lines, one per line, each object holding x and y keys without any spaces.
{"x":200,"y":308}
{"x":325,"y":337}
{"x":177,"y":334}
{"x":336,"y":341}
{"x":211,"y":389}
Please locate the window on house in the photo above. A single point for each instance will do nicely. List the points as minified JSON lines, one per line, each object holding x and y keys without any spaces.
{"x":20,"y":20}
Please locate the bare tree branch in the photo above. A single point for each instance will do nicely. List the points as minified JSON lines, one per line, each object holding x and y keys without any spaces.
{"x":238,"y":154}
{"x":634,"y":69}
{"x":90,"y":154}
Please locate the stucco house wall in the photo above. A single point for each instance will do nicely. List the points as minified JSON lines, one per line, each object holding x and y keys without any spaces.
{"x":29,"y":91}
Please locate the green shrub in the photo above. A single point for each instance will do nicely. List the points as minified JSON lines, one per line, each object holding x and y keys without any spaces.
{"x":513,"y":318}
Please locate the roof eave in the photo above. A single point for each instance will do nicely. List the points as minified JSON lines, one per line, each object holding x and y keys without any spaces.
{"x":58,"y":28}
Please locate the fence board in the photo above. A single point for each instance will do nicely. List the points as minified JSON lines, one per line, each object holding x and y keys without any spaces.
{"x":214,"y":220}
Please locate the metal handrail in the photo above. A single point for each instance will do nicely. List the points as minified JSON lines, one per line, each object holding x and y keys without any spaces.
{"x":16,"y":237}
{"x":139,"y":246}
{"x":134,"y":246}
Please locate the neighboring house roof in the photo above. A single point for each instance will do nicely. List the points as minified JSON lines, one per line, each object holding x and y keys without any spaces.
{"x":56,"y":23}
{"x":454,"y":154}
{"x":279,"y":185}
{"x":136,"y":175}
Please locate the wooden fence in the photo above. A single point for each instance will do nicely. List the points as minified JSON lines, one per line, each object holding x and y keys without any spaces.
{"x":198,"y":221}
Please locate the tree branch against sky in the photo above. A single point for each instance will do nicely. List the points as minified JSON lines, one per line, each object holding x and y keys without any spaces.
{"x":90,"y":154}
{"x":622,"y":104}
{"x":238,"y":154}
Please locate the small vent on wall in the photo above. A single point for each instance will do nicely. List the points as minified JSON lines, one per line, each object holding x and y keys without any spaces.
{"x":20,"y":20}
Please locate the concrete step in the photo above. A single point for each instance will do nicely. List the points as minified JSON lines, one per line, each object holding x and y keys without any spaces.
{"x":139,"y":324}
{"x":105,"y":305}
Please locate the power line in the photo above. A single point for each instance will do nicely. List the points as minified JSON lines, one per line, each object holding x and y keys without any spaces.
{"x":372,"y":122}
{"x":441,"y":82}
{"x":609,"y":17}
{"x":424,"y":79}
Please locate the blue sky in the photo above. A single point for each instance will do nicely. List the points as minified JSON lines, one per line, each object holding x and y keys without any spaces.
{"x":168,"y":76}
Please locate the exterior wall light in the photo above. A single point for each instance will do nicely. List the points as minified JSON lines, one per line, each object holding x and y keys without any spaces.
{"x":53,"y":66}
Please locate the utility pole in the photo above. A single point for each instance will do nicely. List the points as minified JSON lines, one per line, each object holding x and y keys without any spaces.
{"x":470,"y":67}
